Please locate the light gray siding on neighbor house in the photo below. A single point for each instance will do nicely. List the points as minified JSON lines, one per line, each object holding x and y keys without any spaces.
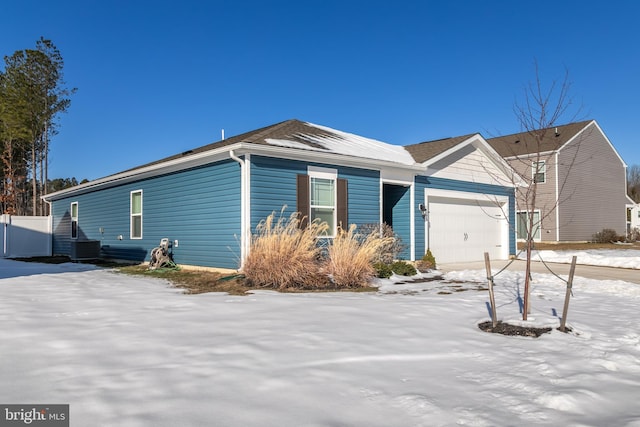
{"x":593,"y":196}
{"x":199,"y":207}
{"x":545,"y":197}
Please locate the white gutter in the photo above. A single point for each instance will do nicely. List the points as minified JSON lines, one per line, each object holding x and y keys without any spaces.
{"x":199,"y":159}
{"x":244,"y":227}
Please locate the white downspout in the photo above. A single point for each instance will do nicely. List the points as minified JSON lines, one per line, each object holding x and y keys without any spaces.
{"x":557,"y":193}
{"x":50,"y":225}
{"x":412,"y":221}
{"x":5,"y":229}
{"x":243,"y":208}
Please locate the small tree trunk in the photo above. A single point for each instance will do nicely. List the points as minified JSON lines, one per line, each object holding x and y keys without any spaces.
{"x":527,"y":280}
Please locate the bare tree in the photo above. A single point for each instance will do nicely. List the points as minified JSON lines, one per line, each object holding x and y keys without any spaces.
{"x":633,"y":182}
{"x":538,"y":113}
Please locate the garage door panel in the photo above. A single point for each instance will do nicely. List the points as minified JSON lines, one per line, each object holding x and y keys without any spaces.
{"x":463,"y":229}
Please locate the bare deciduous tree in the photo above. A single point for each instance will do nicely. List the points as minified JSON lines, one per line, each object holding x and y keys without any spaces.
{"x":633,"y":182}
{"x":538,"y":113}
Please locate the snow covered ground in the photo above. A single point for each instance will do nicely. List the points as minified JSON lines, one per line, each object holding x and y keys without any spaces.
{"x":130,"y":351}
{"x":628,"y":258}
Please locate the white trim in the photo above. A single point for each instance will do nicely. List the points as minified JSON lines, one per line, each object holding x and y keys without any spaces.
{"x":131,"y":214}
{"x":454,"y":194}
{"x":319,"y":172}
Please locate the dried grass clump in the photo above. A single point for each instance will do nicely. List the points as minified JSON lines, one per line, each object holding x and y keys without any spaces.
{"x":351,"y":256}
{"x":282,"y":255}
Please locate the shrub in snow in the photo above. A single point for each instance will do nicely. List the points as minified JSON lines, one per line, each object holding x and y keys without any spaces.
{"x":383,"y":271}
{"x":403,"y":268}
{"x":427,"y":262}
{"x":389,"y":250}
{"x":282,"y":255}
{"x":607,"y":235}
{"x":351,"y":256}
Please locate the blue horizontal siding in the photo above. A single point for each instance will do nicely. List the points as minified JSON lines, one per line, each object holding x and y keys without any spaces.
{"x":199,"y":207}
{"x":273,"y":185}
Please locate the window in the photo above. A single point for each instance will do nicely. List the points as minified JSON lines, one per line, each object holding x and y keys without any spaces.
{"x":539,"y":172}
{"x":322,"y":196}
{"x":74,"y":220}
{"x":522,"y":220}
{"x":323,"y":201}
{"x":136,"y":214}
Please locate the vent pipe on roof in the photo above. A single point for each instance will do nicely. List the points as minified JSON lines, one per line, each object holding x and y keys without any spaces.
{"x":223,"y":134}
{"x":557,"y":133}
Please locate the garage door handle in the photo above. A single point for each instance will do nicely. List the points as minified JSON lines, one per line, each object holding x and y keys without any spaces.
{"x":466,"y":237}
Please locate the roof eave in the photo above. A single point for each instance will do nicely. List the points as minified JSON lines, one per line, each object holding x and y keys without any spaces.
{"x":240,"y":148}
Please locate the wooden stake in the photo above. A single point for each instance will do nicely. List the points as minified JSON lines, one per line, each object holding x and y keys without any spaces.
{"x":487,"y":263}
{"x":563,"y":322}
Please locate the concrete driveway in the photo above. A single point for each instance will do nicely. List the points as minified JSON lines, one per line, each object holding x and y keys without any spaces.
{"x":587,"y":271}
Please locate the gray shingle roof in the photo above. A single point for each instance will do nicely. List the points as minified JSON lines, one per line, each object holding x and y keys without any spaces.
{"x":289,"y":129}
{"x":424,"y":151}
{"x":544,"y":140}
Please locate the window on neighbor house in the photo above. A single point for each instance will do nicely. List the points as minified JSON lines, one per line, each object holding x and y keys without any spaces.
{"x":74,"y":220}
{"x":522,"y":220}
{"x":136,"y":214}
{"x":539,"y":172}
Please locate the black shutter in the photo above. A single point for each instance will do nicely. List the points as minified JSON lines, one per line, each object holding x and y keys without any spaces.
{"x":304,"y":207}
{"x":343,"y":204}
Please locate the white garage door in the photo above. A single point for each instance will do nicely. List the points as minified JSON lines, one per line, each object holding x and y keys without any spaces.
{"x":463,"y":229}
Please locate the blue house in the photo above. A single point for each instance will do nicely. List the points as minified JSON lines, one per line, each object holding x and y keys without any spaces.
{"x":454,"y":196}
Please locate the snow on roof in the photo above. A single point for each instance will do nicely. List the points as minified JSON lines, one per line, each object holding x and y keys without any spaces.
{"x":338,"y":142}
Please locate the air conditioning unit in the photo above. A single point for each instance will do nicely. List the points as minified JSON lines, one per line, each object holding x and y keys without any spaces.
{"x":85,"y":250}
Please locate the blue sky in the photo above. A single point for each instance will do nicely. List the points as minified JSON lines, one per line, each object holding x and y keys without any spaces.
{"x":156,"y":78}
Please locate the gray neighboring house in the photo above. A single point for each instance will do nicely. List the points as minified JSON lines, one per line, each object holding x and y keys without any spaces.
{"x":582,"y":181}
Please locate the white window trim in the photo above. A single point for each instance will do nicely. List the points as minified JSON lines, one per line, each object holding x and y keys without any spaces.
{"x":539,"y":239}
{"x":131,"y":215}
{"x":74,"y":219}
{"x":326,"y":173}
{"x":534,"y":169}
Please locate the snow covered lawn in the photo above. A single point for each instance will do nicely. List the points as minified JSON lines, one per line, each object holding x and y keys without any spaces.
{"x":130,"y":351}
{"x":627,"y":258}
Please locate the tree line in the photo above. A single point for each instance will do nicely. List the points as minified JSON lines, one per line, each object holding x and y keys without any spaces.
{"x":633,"y":182}
{"x":33,"y":93}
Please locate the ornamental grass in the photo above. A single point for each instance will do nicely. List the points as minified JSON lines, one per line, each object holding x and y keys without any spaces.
{"x":283,"y":256}
{"x":351,"y":257}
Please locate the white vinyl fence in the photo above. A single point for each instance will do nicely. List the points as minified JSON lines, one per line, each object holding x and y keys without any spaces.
{"x":25,"y":236}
